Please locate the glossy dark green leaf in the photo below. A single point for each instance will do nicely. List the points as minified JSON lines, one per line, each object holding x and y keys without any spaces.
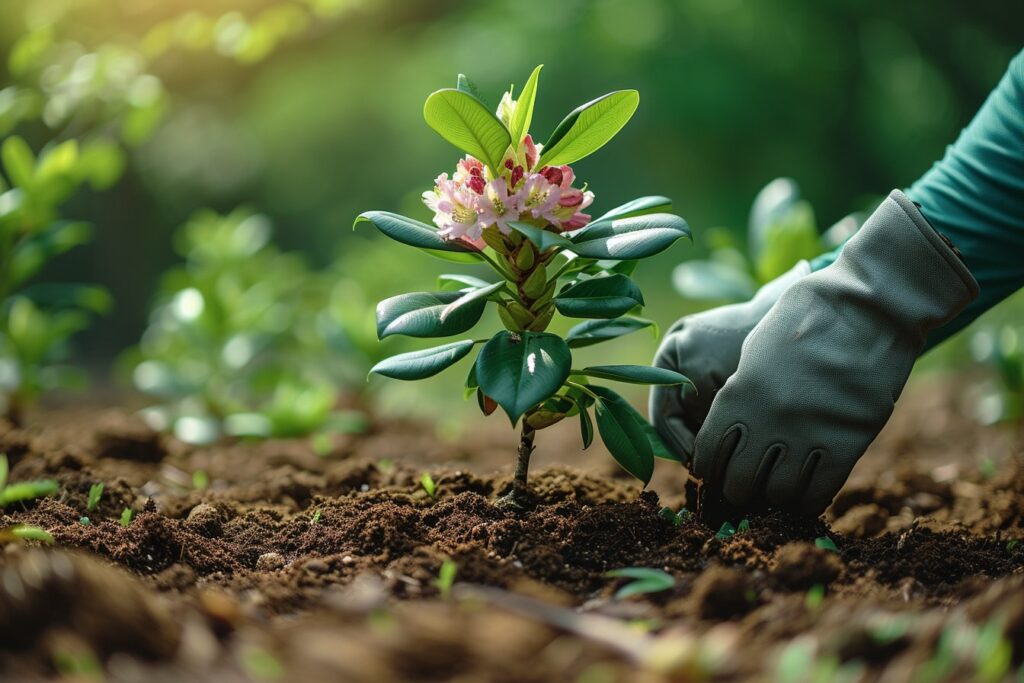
{"x":636,"y":374}
{"x":453,"y":281}
{"x":638,"y":207}
{"x":588,"y":127}
{"x":599,"y":297}
{"x":471,"y":300}
{"x":544,"y":239}
{"x":424,"y":363}
{"x":519,"y":370}
{"x":422,"y":314}
{"x":597,"y":331}
{"x":411,"y":232}
{"x":586,"y":428}
{"x":630,"y":238}
{"x":466,"y":122}
{"x":623,"y":434}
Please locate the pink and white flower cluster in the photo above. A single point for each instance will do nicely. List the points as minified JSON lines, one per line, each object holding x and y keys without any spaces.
{"x":474,"y":198}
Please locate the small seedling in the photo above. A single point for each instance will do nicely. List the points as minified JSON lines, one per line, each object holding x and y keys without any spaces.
{"x":200,"y":480}
{"x":744,"y":525}
{"x":725,"y":531}
{"x":1010,"y":545}
{"x":126,"y":516}
{"x":826,"y":543}
{"x":95,"y":493}
{"x":676,"y":518}
{"x":24,"y":490}
{"x":988,"y":468}
{"x":514,"y":206}
{"x":316,"y":517}
{"x":26,"y":532}
{"x":428,"y":485}
{"x":645,"y":581}
{"x":814,"y":597}
{"x":446,"y":578}
{"x":84,"y":521}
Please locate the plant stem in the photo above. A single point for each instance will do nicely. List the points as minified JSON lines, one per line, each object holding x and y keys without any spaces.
{"x":516,"y":498}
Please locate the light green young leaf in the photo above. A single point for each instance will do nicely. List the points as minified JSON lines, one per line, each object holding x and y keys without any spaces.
{"x":19,"y":162}
{"x":464,"y":121}
{"x":645,"y":580}
{"x":588,"y":127}
{"x":523,"y":115}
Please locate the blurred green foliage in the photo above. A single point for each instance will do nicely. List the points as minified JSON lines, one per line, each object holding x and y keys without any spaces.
{"x":781,"y":231}
{"x":310,"y":110}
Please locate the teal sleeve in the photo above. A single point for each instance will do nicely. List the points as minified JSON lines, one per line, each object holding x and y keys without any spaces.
{"x":975,"y":196}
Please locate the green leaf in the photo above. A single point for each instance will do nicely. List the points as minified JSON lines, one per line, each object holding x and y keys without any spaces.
{"x":658,"y":447}
{"x":826,"y":543}
{"x":424,"y":363}
{"x":790,"y":238}
{"x":773,"y":202}
{"x":644,"y":581}
{"x":470,"y":300}
{"x":638,"y":207}
{"x":544,"y":239}
{"x":522,"y":117}
{"x":19,"y":162}
{"x":712,"y":281}
{"x":519,"y":370}
{"x":630,"y":238}
{"x":636,"y":374}
{"x":600,"y":297}
{"x":588,"y":127}
{"x":725,"y":531}
{"x":586,"y":428}
{"x":464,"y":121}
{"x":422,"y":314}
{"x":411,"y":232}
{"x":27,"y":490}
{"x":450,"y":281}
{"x":623,"y":434}
{"x":467,"y":86}
{"x":597,"y":331}
{"x":31,"y":533}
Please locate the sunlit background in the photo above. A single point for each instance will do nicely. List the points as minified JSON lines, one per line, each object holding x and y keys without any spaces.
{"x":308,"y":112}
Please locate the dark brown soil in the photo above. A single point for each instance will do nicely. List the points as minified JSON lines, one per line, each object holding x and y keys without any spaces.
{"x":238,"y":582}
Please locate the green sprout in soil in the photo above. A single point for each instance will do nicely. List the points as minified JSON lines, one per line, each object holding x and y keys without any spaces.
{"x":84,"y":521}
{"x":1010,"y":545}
{"x":644,"y":580}
{"x":744,"y":525}
{"x":316,"y":517}
{"x":446,"y":578}
{"x":826,"y":543}
{"x":725,"y":531}
{"x":675,"y":518}
{"x":25,"y":532}
{"x":23,"y":490}
{"x":200,"y":480}
{"x":126,"y":516}
{"x":95,"y":493}
{"x":513,"y":205}
{"x":814,"y":597}
{"x":428,"y":484}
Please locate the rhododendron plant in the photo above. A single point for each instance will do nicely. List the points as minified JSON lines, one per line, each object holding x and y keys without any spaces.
{"x":518,"y":206}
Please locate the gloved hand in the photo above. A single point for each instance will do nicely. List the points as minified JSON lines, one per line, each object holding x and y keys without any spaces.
{"x":819,"y":375}
{"x":706,"y":348}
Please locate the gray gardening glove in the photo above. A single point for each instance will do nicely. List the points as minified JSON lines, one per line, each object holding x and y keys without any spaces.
{"x":706,"y":348}
{"x":819,"y":375}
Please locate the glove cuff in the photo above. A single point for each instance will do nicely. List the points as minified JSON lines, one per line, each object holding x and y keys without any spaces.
{"x":905,"y":269}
